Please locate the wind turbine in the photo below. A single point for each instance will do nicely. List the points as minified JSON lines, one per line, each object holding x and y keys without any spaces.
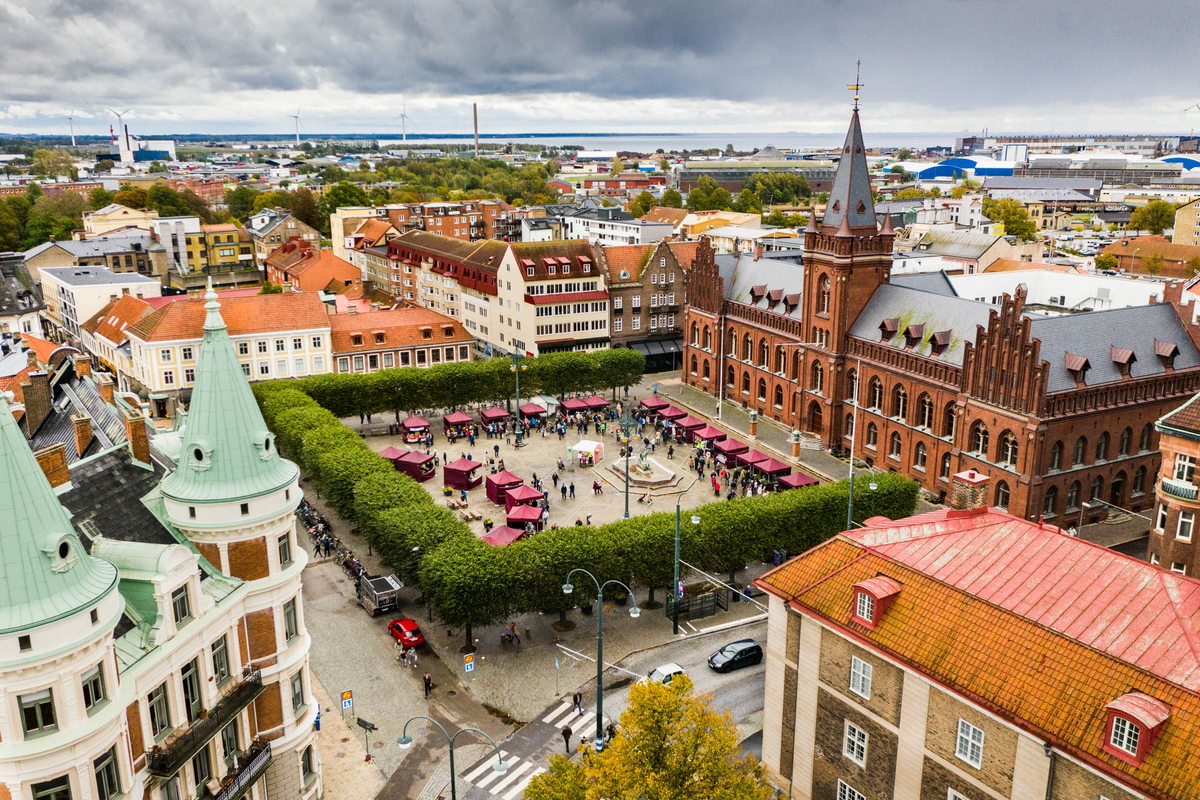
{"x":404,"y":120}
{"x":296,"y":117}
{"x":121,"y":125}
{"x":71,"y":122}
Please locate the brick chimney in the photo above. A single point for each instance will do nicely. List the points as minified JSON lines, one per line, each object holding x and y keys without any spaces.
{"x":758,"y":251}
{"x":83,"y":432}
{"x":31,"y":358}
{"x":135,"y":432}
{"x":83,"y":366}
{"x":53,"y":461}
{"x":104,"y":385}
{"x":38,"y":402}
{"x":969,"y":490}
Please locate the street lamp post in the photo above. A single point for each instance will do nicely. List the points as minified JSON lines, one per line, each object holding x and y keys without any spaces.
{"x":516,"y":369}
{"x":405,"y":741}
{"x":628,"y":424}
{"x":675,"y":593}
{"x":633,"y":612}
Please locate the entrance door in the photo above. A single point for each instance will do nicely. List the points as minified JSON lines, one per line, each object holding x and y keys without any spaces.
{"x":160,"y":407}
{"x":816,"y":418}
{"x":1116,"y":490}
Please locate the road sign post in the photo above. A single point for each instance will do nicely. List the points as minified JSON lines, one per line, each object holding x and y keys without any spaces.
{"x":367,"y":728}
{"x":469,"y":662}
{"x":347,"y":702}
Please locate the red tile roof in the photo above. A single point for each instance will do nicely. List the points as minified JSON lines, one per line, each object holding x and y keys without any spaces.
{"x":401,"y":328}
{"x":112,"y":321}
{"x":261,"y":313}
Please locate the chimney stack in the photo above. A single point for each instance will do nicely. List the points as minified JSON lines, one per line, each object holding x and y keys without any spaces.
{"x":135,"y":432}
{"x":53,"y":461}
{"x":758,"y":251}
{"x":969,"y":490}
{"x":83,"y":366}
{"x":104,"y":385}
{"x":38,"y":402}
{"x":31,"y":358}
{"x":83,"y":432}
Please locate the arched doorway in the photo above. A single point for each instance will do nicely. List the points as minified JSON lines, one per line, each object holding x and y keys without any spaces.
{"x":1116,"y":489}
{"x":816,"y":418}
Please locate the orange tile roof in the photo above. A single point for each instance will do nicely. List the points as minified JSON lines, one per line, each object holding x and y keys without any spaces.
{"x":1038,"y":627}
{"x":12,"y":383}
{"x":263,"y":313}
{"x":40,"y":347}
{"x":1146,"y":246}
{"x":373,"y":230}
{"x":400,"y":327}
{"x":628,"y":258}
{"x":1012,"y":265}
{"x":112,"y":321}
{"x":673,"y":216}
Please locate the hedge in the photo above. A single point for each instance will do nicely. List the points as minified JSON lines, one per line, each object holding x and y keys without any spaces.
{"x":472,"y":584}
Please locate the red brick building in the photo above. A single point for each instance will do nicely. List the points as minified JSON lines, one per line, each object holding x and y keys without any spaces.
{"x":307,"y":268}
{"x":1057,"y":410}
{"x":1173,"y":537}
{"x":470,"y":220}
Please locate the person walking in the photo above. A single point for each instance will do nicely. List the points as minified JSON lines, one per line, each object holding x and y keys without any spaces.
{"x":554,"y":479}
{"x":572,"y":490}
{"x":566,"y":734}
{"x":412,"y":657}
{"x":428,"y":685}
{"x":577,"y":703}
{"x":589,"y":519}
{"x":401,"y":653}
{"x":564,"y":491}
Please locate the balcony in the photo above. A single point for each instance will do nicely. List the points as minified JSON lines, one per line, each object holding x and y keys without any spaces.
{"x":250,"y":767}
{"x":165,"y":760}
{"x":1184,"y":490}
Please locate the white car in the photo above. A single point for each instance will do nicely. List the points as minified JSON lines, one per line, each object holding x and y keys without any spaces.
{"x":666,"y":673}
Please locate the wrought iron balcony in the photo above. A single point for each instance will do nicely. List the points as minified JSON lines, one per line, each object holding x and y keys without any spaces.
{"x":251,"y":765}
{"x":165,"y":760}
{"x":1184,"y":490}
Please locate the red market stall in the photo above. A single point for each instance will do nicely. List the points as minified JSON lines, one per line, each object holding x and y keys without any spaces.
{"x":751,"y":458}
{"x":461,"y":474}
{"x":415,"y":429}
{"x":497,"y":485}
{"x":417,"y":465}
{"x":773,"y":467}
{"x":520,"y":516}
{"x":457,"y":423}
{"x":689,"y":425}
{"x":503,"y":535}
{"x":596,"y":402}
{"x":392,"y":455}
{"x":796,"y":480}
{"x":531,"y":411}
{"x":654,"y":404}
{"x":494,"y":415}
{"x":672,"y":413}
{"x":521,"y":496}
{"x":727,"y":450}
{"x":573,"y":405}
{"x":709,"y":434}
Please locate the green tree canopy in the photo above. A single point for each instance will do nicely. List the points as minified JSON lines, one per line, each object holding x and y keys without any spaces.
{"x":672,"y":199}
{"x":343,"y":194}
{"x":240,"y":202}
{"x":130,"y":197}
{"x":642,"y":204}
{"x":1013,"y":215}
{"x":748,"y":202}
{"x":1106,"y":261}
{"x":99,"y":197}
{"x":1154,"y":217}
{"x":52,"y":163}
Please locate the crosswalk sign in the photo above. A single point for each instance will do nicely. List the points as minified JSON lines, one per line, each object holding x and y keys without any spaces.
{"x":347,"y":700}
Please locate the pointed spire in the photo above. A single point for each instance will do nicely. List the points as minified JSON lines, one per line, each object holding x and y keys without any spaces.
{"x":850,"y":197}
{"x":844,"y":228}
{"x":45,"y":573}
{"x":887,"y":230}
{"x":812,"y":222}
{"x":228,"y":454}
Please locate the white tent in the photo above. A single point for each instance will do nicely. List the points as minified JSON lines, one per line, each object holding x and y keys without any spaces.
{"x":586,"y":447}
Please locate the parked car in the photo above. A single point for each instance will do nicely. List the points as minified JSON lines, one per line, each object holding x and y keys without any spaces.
{"x":666,"y":673}
{"x":743,"y":653}
{"x":406,"y":632}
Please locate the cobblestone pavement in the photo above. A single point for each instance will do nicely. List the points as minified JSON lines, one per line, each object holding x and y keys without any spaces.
{"x":345,"y":772}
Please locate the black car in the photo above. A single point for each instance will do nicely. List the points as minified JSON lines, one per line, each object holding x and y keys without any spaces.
{"x":745,"y":653}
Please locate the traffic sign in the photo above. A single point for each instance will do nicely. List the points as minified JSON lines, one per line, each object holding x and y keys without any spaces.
{"x":347,"y":700}
{"x":469,"y":667}
{"x":469,"y":662}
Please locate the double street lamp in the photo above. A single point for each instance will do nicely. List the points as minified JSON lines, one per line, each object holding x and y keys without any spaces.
{"x":516,"y":368}
{"x":675,"y":589}
{"x":634,"y":612}
{"x":405,"y":741}
{"x":628,"y":425}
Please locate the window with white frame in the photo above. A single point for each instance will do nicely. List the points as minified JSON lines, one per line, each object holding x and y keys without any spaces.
{"x":1179,"y":566}
{"x":865,"y":606}
{"x":854,"y":746}
{"x":1160,"y":522}
{"x":1185,"y":467}
{"x":860,"y":677}
{"x":1125,"y":735}
{"x":1183,"y":529}
{"x":969,"y":746}
{"x":848,"y":792}
{"x":953,"y":795}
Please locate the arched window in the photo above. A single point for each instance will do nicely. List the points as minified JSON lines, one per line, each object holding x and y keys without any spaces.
{"x":1056,"y":455}
{"x":796,"y":362}
{"x":1073,"y":496}
{"x":1050,"y":501}
{"x":920,"y":455}
{"x":780,"y":360}
{"x":1144,"y":440}
{"x":779,"y":397}
{"x":745,"y":383}
{"x":816,"y":380}
{"x":852,"y":386}
{"x":1126,"y":442}
{"x":763,"y":353}
{"x":1002,"y":495}
{"x":1008,"y":449}
{"x":944,"y":470}
{"x":707,"y":371}
{"x":707,"y":338}
{"x":1102,"y":447}
{"x":732,"y":346}
{"x":1080,"y":451}
{"x":948,"y":421}
{"x":762,"y":389}
{"x":896,"y":445}
{"x":1139,"y":481}
{"x":979,"y":439}
{"x":695,"y":363}
{"x":849,"y":425}
{"x":900,"y":402}
{"x":729,"y":377}
{"x":823,"y":297}
{"x":747,"y":347}
{"x":695,"y":333}
{"x":925,"y":412}
{"x":875,"y":393}
{"x":1097,"y":488}
{"x":872,"y":435}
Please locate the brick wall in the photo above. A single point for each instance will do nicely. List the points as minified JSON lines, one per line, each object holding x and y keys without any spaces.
{"x":999,"y":742}
{"x":248,"y":559}
{"x":1072,"y":781}
{"x":211,"y":553}
{"x":53,"y":461}
{"x":937,"y":781}
{"x":268,"y":712}
{"x":887,"y":680}
{"x":260,"y":628}
{"x":877,"y":777}
{"x":283,"y":776}
{"x":133,"y":716}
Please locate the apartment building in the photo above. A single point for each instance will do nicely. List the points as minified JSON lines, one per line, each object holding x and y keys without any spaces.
{"x":610,"y":226}
{"x":20,"y":303}
{"x":115,"y":216}
{"x":105,"y":336}
{"x":272,"y":227}
{"x":647,"y":285}
{"x":968,"y":654}
{"x":303,"y":267}
{"x":73,"y":294}
{"x":1173,"y":537}
{"x":1187,"y":224}
{"x":402,"y":337}
{"x":121,"y":250}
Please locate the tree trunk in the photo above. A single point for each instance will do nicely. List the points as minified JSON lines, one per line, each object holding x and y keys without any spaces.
{"x":468,"y":642}
{"x":650,"y":599}
{"x":562,"y":616}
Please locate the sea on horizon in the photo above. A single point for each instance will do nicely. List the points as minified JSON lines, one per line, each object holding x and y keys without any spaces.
{"x":650,"y":142}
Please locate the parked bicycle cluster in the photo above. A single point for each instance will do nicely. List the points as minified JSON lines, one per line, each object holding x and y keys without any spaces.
{"x":325,"y":543}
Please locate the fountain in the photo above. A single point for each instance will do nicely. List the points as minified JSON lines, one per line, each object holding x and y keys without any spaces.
{"x":646,"y":473}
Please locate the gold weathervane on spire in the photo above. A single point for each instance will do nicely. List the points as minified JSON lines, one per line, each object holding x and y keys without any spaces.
{"x":857,"y":85}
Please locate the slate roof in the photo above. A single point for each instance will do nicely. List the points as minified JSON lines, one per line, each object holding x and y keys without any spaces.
{"x":850,"y":196}
{"x":915,"y":306}
{"x":773,"y":283}
{"x":100,"y":246}
{"x":18,"y":291}
{"x":75,"y":395}
{"x":935,"y":282}
{"x":107,"y":491}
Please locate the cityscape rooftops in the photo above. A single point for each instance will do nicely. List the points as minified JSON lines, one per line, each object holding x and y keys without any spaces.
{"x":94,"y":276}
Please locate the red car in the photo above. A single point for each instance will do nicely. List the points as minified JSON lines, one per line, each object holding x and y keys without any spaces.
{"x":406,"y":632}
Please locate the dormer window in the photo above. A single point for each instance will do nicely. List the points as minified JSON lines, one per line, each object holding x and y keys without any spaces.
{"x":888,"y":328}
{"x":356,"y":339}
{"x":1123,"y":359}
{"x":938,"y":343}
{"x":378,"y":337}
{"x":1166,"y":352}
{"x":1135,"y":721}
{"x":913,"y":335}
{"x":872,"y":598}
{"x":1078,"y":367}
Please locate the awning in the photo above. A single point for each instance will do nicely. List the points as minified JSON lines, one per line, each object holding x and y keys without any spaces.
{"x":796,"y":480}
{"x":503,"y":535}
{"x":772,"y":466}
{"x":494,"y":414}
{"x":596,"y":401}
{"x":415,"y":423}
{"x":671,"y":412}
{"x":573,"y":404}
{"x":654,"y":403}
{"x":525,"y":514}
{"x":457,"y":418}
{"x":391,"y":453}
{"x":708,"y":433}
{"x":464,"y":465}
{"x":531,"y":410}
{"x":416,"y":457}
{"x":731,"y":446}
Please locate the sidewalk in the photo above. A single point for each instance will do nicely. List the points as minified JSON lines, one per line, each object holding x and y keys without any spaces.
{"x":345,"y":772}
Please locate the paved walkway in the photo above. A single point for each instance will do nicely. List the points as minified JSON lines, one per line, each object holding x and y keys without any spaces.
{"x":345,"y":772}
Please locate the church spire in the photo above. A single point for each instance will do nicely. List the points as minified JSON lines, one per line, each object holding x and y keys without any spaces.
{"x":850,"y":203}
{"x":228,"y":454}
{"x":45,"y":574}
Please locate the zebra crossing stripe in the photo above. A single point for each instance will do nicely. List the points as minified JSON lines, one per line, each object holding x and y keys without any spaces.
{"x":556,"y":712}
{"x":484,"y":767}
{"x":520,"y":787}
{"x":511,"y":776}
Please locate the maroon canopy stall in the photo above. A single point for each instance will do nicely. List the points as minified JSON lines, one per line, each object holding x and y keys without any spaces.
{"x":654,"y":404}
{"x":596,"y":402}
{"x":730,"y":447}
{"x":709,"y":434}
{"x":503,"y":535}
{"x":456,"y":420}
{"x":671,"y":412}
{"x":494,"y":415}
{"x":772,"y":466}
{"x":531,"y":410}
{"x":796,"y":480}
{"x":461,"y":474}
{"x":521,"y":496}
{"x":751,"y":458}
{"x":415,"y":428}
{"x":689,"y":425}
{"x":497,"y":485}
{"x":520,"y":516}
{"x":391,"y":454}
{"x":572,"y":405}
{"x":417,"y":465}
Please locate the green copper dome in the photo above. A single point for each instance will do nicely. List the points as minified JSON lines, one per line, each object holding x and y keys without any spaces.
{"x":228,"y":454}
{"x":45,"y":574}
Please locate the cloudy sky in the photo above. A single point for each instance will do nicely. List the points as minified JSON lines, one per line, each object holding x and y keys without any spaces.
{"x":598,"y":65}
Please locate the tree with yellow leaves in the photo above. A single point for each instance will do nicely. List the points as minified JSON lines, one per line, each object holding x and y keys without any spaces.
{"x":670,"y":745}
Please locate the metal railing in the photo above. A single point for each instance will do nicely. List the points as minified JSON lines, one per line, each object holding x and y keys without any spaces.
{"x":166,"y":759}
{"x":248,"y":774}
{"x":1184,"y":490}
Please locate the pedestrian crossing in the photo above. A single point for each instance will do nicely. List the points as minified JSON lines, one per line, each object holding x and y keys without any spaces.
{"x":511,"y":784}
